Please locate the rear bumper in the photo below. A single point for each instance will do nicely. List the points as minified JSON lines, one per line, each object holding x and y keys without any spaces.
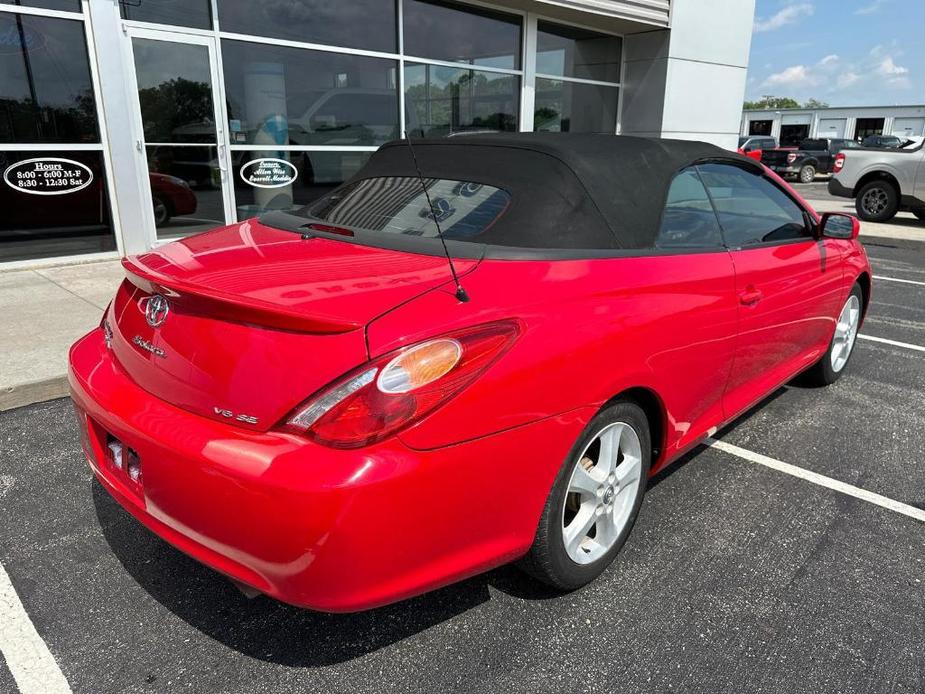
{"x":837,"y":189}
{"x":316,"y":527}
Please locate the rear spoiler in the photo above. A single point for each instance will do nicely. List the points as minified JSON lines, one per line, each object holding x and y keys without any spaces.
{"x":240,"y":309}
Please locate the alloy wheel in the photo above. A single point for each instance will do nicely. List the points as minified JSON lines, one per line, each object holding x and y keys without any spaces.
{"x":846,"y":331}
{"x":875,"y":201}
{"x":601,"y":493}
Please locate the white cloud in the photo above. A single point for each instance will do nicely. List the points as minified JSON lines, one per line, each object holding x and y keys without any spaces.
{"x":848,"y":79}
{"x":888,"y":68}
{"x":793,"y":76}
{"x":788,"y":15}
{"x":872,"y":7}
{"x":831,"y":74}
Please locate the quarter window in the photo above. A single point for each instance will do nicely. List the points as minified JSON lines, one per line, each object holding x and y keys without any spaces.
{"x":688,"y":220}
{"x":751,"y":209}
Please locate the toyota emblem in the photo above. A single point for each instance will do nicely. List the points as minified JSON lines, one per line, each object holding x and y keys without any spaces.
{"x":156,"y":310}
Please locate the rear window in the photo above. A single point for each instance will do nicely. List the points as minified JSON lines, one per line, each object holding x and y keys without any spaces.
{"x":398,"y":205}
{"x":814,"y":145}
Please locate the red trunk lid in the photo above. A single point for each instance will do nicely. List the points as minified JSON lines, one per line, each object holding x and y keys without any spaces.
{"x":258,"y":318}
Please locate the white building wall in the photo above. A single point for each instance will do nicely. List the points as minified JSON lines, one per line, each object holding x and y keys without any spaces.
{"x":684,"y":83}
{"x":899,"y":120}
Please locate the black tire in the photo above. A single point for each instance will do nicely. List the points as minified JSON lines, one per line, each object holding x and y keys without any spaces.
{"x":807,"y":173}
{"x":547,"y":559}
{"x":823,"y":373}
{"x":877,"y":201}
{"x":162,"y":212}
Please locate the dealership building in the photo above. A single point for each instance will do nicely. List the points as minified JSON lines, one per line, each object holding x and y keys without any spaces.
{"x":791,"y":126}
{"x":124,"y":124}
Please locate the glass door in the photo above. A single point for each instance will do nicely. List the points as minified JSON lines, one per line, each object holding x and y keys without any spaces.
{"x":180,"y":134}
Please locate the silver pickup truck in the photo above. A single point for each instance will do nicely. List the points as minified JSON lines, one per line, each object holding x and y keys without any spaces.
{"x":881,"y":181}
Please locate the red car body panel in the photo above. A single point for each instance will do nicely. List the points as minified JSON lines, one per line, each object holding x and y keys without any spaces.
{"x":179,"y":198}
{"x":262,"y":319}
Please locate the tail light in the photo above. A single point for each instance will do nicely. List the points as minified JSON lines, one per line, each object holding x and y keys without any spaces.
{"x":839,"y":163}
{"x":792,"y":157}
{"x":398,"y":389}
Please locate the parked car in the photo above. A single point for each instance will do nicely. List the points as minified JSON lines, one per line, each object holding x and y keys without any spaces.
{"x":309,"y":404}
{"x":884,"y":141}
{"x":882,"y":182}
{"x":753,"y":145}
{"x":815,"y":156}
{"x":171,"y":196}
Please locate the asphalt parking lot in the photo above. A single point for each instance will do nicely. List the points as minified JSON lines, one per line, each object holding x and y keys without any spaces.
{"x":738,"y":577}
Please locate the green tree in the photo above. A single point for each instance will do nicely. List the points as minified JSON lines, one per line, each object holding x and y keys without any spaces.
{"x":815,"y":103}
{"x":768,"y":102}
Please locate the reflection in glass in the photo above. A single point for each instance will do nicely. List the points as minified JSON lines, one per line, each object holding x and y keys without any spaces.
{"x":185,"y":13}
{"x":175,"y":91}
{"x":573,"y":52}
{"x":316,"y":173}
{"x":466,"y":34}
{"x":280,"y":95}
{"x":46,"y":94}
{"x":186,"y":189}
{"x":442,"y":100}
{"x":76,"y":219}
{"x":574,"y":107}
{"x":400,"y":205}
{"x":367,"y":24}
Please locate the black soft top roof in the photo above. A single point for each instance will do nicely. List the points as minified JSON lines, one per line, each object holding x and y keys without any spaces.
{"x":569,"y":191}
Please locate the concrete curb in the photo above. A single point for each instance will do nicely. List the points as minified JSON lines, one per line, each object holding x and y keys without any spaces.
{"x":24,"y":394}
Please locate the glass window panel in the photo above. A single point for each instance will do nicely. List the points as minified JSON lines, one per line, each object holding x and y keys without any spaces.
{"x":573,"y":52}
{"x":367,"y":24}
{"x":574,"y":107}
{"x":278,"y":95}
{"x":196,"y":14}
{"x":186,"y":188}
{"x":751,"y":209}
{"x":688,"y":220}
{"x":46,"y":94}
{"x":63,"y":5}
{"x":316,"y":173}
{"x":175,"y":91}
{"x":442,"y":100}
{"x":466,"y":34}
{"x":74,"y":219}
{"x":399,"y":205}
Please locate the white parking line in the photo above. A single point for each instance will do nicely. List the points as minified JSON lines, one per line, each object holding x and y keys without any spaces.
{"x":28,"y":658}
{"x":904,"y":345}
{"x":816,"y":478}
{"x":896,"y":279}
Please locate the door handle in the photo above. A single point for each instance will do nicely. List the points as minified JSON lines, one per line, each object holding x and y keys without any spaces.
{"x":222,"y":150}
{"x":750,"y":296}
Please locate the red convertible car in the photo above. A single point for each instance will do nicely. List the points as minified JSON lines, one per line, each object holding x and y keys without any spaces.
{"x":306,"y":402}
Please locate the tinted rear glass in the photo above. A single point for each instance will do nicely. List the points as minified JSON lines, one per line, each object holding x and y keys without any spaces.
{"x":398,"y":205}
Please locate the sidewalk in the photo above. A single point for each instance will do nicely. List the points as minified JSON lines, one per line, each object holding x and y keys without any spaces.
{"x":904,"y":227}
{"x":43,"y":311}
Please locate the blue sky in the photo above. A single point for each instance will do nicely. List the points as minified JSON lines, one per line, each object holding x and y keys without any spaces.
{"x":844,"y":52}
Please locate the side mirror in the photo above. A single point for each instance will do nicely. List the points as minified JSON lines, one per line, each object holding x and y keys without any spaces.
{"x":836,"y":225}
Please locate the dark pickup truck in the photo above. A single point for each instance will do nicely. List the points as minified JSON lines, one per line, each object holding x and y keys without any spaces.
{"x":810,"y":158}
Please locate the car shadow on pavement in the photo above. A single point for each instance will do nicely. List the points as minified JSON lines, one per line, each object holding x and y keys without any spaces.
{"x":269,"y":630}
